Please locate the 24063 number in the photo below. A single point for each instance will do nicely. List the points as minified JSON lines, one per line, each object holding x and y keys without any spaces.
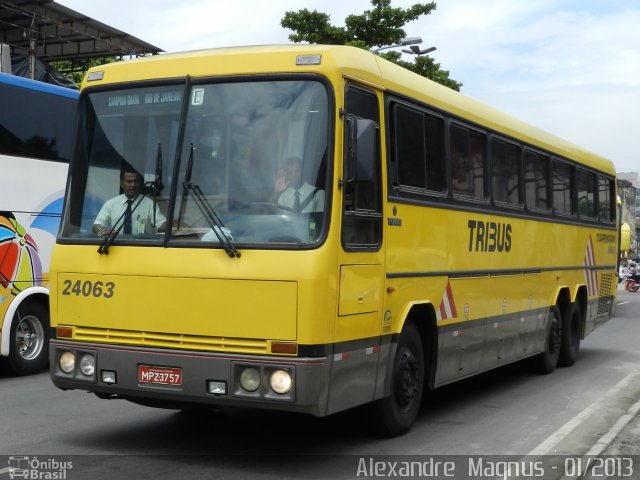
{"x":88,"y":288}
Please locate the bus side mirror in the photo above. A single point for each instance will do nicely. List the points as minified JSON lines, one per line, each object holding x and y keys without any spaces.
{"x":360,"y":149}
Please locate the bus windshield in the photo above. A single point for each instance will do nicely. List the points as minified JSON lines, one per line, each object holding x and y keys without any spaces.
{"x":244,"y":162}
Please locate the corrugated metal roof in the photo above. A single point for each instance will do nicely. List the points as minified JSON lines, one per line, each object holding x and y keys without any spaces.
{"x":63,"y":34}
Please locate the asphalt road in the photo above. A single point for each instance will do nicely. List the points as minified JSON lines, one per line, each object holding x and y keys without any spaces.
{"x":509,"y":411}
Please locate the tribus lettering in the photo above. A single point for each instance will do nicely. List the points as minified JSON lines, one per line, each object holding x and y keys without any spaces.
{"x":489,"y":236}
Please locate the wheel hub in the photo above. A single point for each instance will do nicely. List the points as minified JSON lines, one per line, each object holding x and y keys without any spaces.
{"x":28,"y":337}
{"x":408,"y":379}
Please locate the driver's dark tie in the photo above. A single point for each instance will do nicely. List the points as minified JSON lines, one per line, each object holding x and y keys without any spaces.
{"x":296,"y":201}
{"x":127,"y":218}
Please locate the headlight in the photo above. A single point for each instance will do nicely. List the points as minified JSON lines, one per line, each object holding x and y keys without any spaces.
{"x":67,"y":362}
{"x":250,"y":379}
{"x":88,"y":365}
{"x":280,"y":381}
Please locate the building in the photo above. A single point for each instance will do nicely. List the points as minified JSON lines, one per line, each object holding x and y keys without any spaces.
{"x":629,"y":193}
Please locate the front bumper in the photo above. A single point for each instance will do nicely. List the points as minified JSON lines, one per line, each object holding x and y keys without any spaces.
{"x":198,"y":370}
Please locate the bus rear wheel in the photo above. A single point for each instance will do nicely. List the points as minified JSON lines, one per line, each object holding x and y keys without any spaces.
{"x":395,"y":414}
{"x":29,"y":340}
{"x":572,"y":331}
{"x":546,"y":361}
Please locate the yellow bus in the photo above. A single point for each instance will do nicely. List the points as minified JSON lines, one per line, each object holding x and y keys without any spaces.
{"x":342,"y":232}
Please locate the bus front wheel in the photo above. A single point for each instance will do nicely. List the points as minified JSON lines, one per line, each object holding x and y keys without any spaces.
{"x":396,"y":413}
{"x":29,"y":341}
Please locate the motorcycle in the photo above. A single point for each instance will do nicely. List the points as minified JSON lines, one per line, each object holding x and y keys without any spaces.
{"x":632,"y":285}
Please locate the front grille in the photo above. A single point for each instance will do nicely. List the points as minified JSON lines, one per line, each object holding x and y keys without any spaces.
{"x":170,"y":340}
{"x":604,"y":300}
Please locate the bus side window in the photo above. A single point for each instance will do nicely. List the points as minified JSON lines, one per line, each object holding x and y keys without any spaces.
{"x":417,"y":153}
{"x":468,"y":162}
{"x":505,"y":172}
{"x":536,"y":172}
{"x":562,"y":185}
{"x":586,"y":189}
{"x":606,"y":199}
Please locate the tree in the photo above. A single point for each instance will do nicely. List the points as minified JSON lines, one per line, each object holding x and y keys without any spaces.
{"x":375,"y":28}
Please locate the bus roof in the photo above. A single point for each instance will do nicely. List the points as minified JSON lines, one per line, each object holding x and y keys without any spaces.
{"x":338,"y":62}
{"x":27,"y":83}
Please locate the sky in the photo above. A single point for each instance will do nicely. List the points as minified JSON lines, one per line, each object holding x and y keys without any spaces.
{"x":570,"y":67}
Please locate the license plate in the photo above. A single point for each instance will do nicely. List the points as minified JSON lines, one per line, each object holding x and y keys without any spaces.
{"x":159,"y":375}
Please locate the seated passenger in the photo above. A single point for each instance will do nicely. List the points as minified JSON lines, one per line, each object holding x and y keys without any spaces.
{"x":291,"y":193}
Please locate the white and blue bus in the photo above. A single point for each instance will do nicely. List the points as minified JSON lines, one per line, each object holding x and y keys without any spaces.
{"x":36,"y":135}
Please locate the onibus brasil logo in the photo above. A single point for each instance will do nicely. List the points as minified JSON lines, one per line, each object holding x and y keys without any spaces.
{"x":37,"y":469}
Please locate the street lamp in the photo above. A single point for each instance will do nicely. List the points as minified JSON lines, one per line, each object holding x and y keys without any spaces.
{"x":415,"y":50}
{"x":410,"y":41}
{"x":405,"y":42}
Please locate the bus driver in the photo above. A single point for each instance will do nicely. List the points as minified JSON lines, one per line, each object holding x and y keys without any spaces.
{"x":136,"y":212}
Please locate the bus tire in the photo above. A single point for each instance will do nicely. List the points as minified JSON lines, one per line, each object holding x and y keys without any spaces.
{"x":546,"y":361}
{"x":395,"y":414}
{"x":29,"y":340}
{"x":571,"y":332}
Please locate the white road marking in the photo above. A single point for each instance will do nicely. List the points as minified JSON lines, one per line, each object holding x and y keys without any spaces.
{"x":556,"y":438}
{"x":602,"y":444}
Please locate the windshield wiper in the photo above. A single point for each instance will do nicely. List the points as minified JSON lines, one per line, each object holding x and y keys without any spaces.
{"x":156,"y":186}
{"x":215,"y":223}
